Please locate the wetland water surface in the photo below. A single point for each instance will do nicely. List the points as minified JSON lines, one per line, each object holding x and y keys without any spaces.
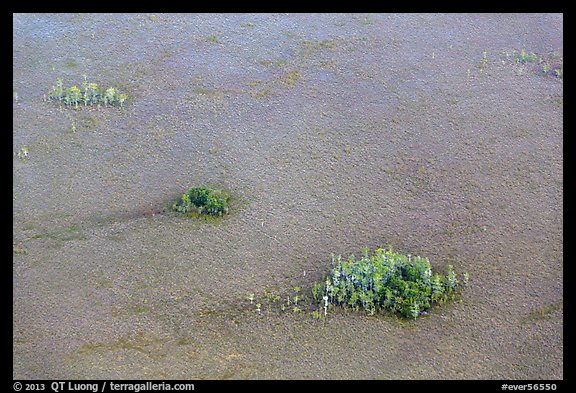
{"x":333,"y":132}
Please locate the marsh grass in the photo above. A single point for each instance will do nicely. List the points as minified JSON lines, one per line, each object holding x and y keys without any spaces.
{"x":367,"y":20}
{"x":69,"y":233}
{"x":543,"y":312}
{"x":89,"y":122}
{"x":209,"y":92}
{"x":262,"y":92}
{"x":316,"y":44}
{"x":19,"y":249}
{"x":290,"y":78}
{"x":140,"y":341}
{"x":139,"y":309}
{"x":213,"y":39}
{"x":70,"y":63}
{"x":274,"y":63}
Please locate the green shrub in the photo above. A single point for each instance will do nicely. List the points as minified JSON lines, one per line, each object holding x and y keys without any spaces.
{"x":203,"y":200}
{"x":386,"y":280}
{"x":89,"y":94}
{"x":526,"y":57}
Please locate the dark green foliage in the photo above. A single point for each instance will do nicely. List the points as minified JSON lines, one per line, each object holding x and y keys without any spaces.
{"x":89,"y":94}
{"x":203,"y":200}
{"x":386,"y":280}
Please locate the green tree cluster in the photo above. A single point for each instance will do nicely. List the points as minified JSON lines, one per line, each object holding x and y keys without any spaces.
{"x":386,"y":280}
{"x":90,"y":94}
{"x":203,"y":200}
